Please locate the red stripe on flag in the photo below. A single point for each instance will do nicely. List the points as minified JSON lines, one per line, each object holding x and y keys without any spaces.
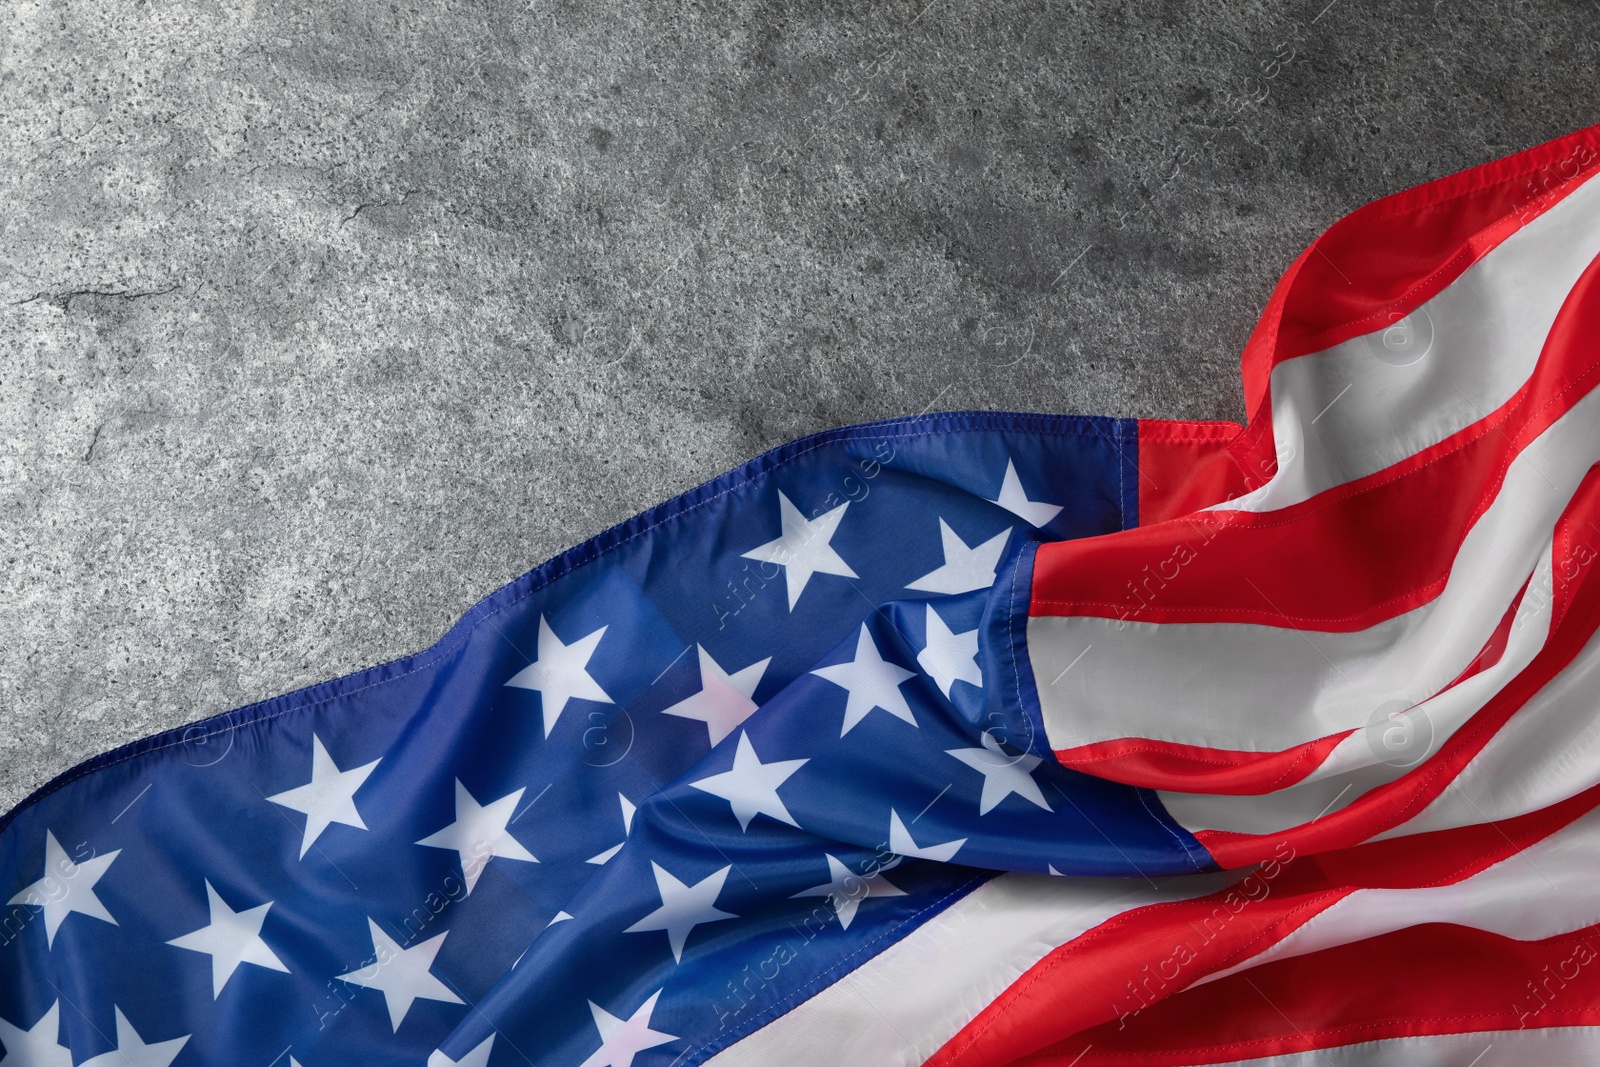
{"x":1495,"y":646}
{"x":1156,"y":764}
{"x":1434,"y":979}
{"x":1574,"y":548}
{"x":1382,"y":261}
{"x":1369,"y":270}
{"x":1179,"y":468}
{"x":1349,"y":557}
{"x":1577,"y":597}
{"x":1116,"y":974}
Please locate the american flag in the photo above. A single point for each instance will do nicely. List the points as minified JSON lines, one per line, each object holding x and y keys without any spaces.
{"x":964,"y":739}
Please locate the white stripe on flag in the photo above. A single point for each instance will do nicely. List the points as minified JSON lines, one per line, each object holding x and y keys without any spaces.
{"x":1264,"y":688}
{"x":1567,"y":1046}
{"x":1357,"y":765}
{"x":1547,"y":752}
{"x":899,"y":1007}
{"x":1541,"y":891}
{"x":1345,"y":413}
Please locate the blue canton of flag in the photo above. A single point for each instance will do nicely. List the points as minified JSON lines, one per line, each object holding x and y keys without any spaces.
{"x":632,"y":806}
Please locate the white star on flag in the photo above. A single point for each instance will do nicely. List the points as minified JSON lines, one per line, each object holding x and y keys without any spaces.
{"x":965,"y":568}
{"x":751,"y":787}
{"x":870,"y":682}
{"x":621,"y":1040}
{"x":902,"y":844}
{"x":402,"y":975}
{"x":846,"y":890}
{"x":683,"y":907}
{"x":1014,"y":500}
{"x":232,"y":938}
{"x":724,"y":700}
{"x":1003,"y":774}
{"x":66,"y":887}
{"x":480,"y":833}
{"x":949,"y":657}
{"x":38,"y":1045}
{"x":131,"y":1050}
{"x":478,"y":1057}
{"x":803,"y":549}
{"x":560,"y":673}
{"x":627,"y":828}
{"x":328,"y":798}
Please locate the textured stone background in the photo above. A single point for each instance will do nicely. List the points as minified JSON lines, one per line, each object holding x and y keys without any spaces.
{"x":320,"y":321}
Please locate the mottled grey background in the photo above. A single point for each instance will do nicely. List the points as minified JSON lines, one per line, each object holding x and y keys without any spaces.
{"x":320,"y":321}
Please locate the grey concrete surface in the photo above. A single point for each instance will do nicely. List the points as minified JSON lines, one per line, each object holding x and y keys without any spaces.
{"x":320,"y":321}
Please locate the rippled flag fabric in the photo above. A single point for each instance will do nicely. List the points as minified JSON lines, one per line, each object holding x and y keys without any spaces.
{"x":959,"y":739}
